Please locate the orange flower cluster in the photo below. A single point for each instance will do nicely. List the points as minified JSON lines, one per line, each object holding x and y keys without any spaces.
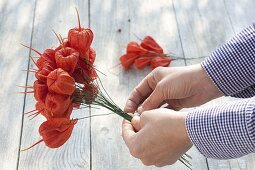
{"x":66,"y":79}
{"x":148,"y":53}
{"x":59,"y":71}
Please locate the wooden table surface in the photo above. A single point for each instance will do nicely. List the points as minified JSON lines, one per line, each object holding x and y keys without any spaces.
{"x":191,"y":29}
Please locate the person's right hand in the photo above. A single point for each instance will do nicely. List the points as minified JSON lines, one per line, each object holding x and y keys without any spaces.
{"x":179,"y":87}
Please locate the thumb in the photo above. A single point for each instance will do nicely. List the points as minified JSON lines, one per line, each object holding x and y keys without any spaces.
{"x":136,"y":123}
{"x":153,"y":101}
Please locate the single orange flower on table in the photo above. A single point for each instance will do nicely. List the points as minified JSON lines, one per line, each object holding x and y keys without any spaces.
{"x":148,"y":53}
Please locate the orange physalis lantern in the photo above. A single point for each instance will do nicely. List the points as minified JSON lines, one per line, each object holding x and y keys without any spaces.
{"x":59,"y":81}
{"x":80,"y":38}
{"x":67,"y":58}
{"x":150,"y":44}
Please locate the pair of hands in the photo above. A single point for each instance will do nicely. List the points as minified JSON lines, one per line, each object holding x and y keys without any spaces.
{"x":159,"y":136}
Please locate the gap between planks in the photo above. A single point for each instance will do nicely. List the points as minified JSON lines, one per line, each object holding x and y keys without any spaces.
{"x":25,"y":95}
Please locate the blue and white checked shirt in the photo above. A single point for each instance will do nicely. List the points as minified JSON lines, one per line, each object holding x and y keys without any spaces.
{"x":228,"y":131}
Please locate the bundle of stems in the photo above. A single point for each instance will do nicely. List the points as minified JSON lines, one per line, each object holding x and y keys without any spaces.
{"x":96,"y":95}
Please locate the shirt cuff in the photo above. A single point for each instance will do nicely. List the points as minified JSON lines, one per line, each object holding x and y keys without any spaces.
{"x":246,"y":93}
{"x":231,"y":67}
{"x":224,"y":131}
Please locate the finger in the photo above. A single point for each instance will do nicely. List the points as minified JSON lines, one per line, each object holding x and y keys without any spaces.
{"x":128,"y":132}
{"x":192,"y":101}
{"x":164,"y":162}
{"x":153,"y":101}
{"x":140,"y":93}
{"x":173,"y":108}
{"x":133,"y":101}
{"x":174,"y":104}
{"x":136,"y":123}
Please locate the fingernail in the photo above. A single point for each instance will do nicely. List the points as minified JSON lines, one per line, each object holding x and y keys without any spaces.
{"x":136,"y":114}
{"x":136,"y":123}
{"x":140,"y":109}
{"x":128,"y":103}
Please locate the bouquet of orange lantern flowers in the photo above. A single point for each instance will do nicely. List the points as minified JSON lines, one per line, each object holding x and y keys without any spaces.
{"x":66,"y":79}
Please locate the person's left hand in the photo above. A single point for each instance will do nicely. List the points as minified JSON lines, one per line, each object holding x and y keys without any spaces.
{"x":158,"y":137}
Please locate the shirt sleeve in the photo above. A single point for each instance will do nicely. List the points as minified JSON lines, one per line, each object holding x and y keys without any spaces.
{"x":224,"y":131}
{"x":228,"y":131}
{"x":232,"y":66}
{"x":246,"y":93}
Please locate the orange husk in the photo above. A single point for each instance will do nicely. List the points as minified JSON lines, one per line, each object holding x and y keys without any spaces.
{"x":135,"y":48}
{"x":40,"y":91}
{"x":63,"y":44}
{"x":49,"y":56}
{"x":127,"y":60}
{"x":80,"y":38}
{"x":67,"y":58}
{"x":69,"y":110}
{"x":57,"y":104}
{"x":44,"y":72}
{"x":142,"y":62}
{"x":59,"y":81}
{"x":160,"y":61}
{"x":46,"y":58}
{"x":41,"y":108}
{"x":92,"y":55}
{"x":40,"y":62}
{"x":56,"y":131}
{"x":150,"y":44}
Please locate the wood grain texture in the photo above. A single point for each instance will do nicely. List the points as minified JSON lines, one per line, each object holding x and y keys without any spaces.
{"x":240,"y":13}
{"x":12,"y":60}
{"x":186,"y":28}
{"x":75,"y":153}
{"x":109,"y":21}
{"x":159,"y":21}
{"x":108,"y":149}
{"x":203,"y":26}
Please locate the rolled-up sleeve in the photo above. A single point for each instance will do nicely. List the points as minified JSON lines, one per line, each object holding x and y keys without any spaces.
{"x":232,"y":66}
{"x":228,"y":131}
{"x":246,"y":93}
{"x":224,"y":131}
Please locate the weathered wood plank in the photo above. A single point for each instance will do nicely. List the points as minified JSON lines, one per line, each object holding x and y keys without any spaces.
{"x":203,"y":26}
{"x":206,"y":27}
{"x":128,"y":17}
{"x":159,"y":20}
{"x":109,"y":21}
{"x":75,"y":154}
{"x":201,"y":29}
{"x":14,"y":29}
{"x":241,"y":14}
